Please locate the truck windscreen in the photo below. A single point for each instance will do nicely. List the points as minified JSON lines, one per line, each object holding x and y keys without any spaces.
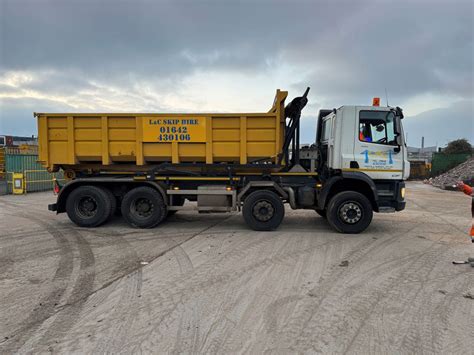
{"x":377,"y":127}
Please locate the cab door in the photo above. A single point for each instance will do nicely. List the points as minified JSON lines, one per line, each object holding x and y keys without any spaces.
{"x":376,"y":150}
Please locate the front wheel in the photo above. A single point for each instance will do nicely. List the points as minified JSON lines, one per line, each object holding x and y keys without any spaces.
{"x":349,"y":212}
{"x":263,"y":210}
{"x":143,"y":207}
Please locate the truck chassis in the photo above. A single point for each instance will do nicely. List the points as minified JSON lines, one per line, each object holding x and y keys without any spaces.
{"x":346,"y":199}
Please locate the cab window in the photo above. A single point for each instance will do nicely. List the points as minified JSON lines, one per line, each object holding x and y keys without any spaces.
{"x":377,"y":127}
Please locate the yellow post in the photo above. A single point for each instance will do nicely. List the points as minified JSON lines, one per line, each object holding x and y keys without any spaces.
{"x":18,"y":186}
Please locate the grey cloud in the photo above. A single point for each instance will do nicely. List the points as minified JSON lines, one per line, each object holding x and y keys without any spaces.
{"x":19,"y":118}
{"x":442,"y":125}
{"x":103,"y":37}
{"x":407,"y":47}
{"x":410,"y":46}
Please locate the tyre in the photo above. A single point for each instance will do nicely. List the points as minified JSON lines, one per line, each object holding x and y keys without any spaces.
{"x":143,"y":207}
{"x":113,"y":202}
{"x":263,"y":210}
{"x":177,"y":201}
{"x":88,"y":206}
{"x":322,"y":213}
{"x":349,"y":212}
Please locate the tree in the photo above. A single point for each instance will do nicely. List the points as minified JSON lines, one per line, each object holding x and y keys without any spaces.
{"x":458,"y":146}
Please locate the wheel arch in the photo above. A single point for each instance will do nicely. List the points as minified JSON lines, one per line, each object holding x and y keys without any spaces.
{"x":349,"y":181}
{"x":259,"y":186}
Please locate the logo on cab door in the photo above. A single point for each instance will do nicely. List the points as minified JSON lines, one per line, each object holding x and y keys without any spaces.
{"x":377,"y":159}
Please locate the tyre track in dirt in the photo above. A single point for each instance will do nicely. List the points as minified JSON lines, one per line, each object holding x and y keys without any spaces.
{"x":284,"y":254}
{"x":7,"y":261}
{"x":419,"y":334}
{"x":70,"y":310}
{"x":360,"y":305}
{"x":51,"y":305}
{"x":297,"y":334}
{"x":131,"y":274}
{"x":170,"y":291}
{"x":128,"y":302}
{"x":126,"y":308}
{"x":438,"y":216}
{"x":46,"y":307}
{"x":443,"y":318}
{"x":189,"y":320}
{"x":364,"y":299}
{"x":177,"y":291}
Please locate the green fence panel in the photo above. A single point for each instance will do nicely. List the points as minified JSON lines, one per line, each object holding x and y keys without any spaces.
{"x":35,"y":176}
{"x":443,"y":162}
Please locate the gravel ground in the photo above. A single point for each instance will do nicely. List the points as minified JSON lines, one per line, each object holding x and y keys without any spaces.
{"x":207,"y":284}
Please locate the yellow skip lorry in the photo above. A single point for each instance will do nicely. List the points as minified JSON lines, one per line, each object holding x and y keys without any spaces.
{"x":147,"y":165}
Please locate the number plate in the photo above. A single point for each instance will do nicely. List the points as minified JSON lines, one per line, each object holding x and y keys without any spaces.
{"x":177,"y":129}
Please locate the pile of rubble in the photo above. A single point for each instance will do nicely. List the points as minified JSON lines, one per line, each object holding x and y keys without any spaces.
{"x":462,"y":172}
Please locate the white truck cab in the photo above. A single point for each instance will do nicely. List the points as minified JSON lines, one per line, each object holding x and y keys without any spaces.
{"x":367,"y":139}
{"x":363,"y":147}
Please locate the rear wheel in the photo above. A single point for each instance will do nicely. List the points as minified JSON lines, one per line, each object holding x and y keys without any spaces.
{"x":263,"y":210}
{"x":113,"y":202}
{"x":88,"y":206}
{"x":143,"y":207}
{"x":349,"y":212}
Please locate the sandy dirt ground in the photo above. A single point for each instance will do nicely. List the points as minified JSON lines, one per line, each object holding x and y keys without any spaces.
{"x":207,"y":284}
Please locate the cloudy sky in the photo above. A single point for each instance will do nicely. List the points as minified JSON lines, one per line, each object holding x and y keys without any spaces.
{"x":225,"y":56}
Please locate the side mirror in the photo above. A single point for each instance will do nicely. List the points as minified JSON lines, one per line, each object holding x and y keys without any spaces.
{"x":398,"y":126}
{"x":398,"y":133}
{"x":399,"y":139}
{"x":399,"y":112}
{"x":398,"y":148}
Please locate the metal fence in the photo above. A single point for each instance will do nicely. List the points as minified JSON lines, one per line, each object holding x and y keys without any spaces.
{"x":443,"y":162}
{"x":35,"y":177}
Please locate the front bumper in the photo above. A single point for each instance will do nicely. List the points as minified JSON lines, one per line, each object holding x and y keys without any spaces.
{"x":392,"y":199}
{"x":53,"y":207}
{"x":400,"y":206}
{"x":400,"y":200}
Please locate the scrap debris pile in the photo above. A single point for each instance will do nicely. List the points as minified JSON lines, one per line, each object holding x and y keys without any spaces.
{"x":464,"y":172}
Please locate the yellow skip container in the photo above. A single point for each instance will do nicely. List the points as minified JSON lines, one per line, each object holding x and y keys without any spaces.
{"x":73,"y":140}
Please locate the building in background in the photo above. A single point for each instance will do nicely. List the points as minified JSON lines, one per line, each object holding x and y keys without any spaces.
{"x":17,"y":141}
{"x":423,"y":153}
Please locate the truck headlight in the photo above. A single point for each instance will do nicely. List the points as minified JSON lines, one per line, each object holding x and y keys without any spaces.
{"x":402,"y":192}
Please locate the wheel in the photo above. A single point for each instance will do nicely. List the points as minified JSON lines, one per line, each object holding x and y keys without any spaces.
{"x":88,"y":206}
{"x":322,"y":213}
{"x":113,"y":202}
{"x":143,"y":207}
{"x":349,"y":212}
{"x":263,"y":210}
{"x":177,"y":201}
